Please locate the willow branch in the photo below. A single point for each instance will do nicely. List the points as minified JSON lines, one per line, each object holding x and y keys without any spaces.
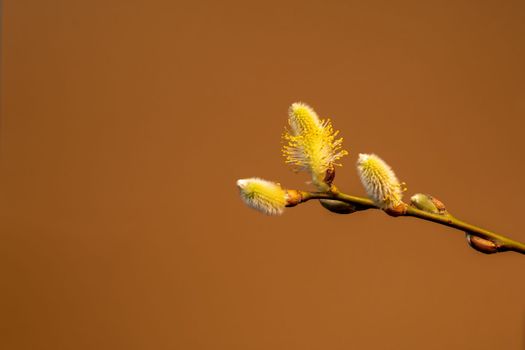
{"x":502,"y":243}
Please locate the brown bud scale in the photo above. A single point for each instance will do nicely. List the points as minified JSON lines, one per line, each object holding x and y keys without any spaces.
{"x":293,"y":197}
{"x":398,"y":210}
{"x":482,"y":245}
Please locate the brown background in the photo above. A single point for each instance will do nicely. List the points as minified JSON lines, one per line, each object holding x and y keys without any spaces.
{"x":126,"y":123}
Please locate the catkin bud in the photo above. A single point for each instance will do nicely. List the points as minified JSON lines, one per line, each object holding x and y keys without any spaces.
{"x":266,"y":196}
{"x":312,"y":145}
{"x":380,"y":182}
{"x":428,"y":203}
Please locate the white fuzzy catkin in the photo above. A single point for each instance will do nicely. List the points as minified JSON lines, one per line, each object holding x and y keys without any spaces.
{"x":265,"y":196}
{"x":379,"y":180}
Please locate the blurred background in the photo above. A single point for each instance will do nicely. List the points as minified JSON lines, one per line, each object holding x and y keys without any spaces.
{"x":125,"y":124}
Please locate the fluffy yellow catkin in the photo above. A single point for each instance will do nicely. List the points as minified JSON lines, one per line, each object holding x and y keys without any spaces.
{"x":311,"y":144}
{"x":266,"y":196}
{"x":380,"y":181}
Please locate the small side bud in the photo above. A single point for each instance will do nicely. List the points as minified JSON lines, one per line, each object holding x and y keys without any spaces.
{"x":338,"y":207}
{"x":265,"y":196}
{"x":428,"y":203}
{"x":482,"y":245}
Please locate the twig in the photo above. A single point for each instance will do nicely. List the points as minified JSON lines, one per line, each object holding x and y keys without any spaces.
{"x":502,"y":243}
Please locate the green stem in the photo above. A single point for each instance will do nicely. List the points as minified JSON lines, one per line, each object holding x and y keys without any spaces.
{"x":503,"y":243}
